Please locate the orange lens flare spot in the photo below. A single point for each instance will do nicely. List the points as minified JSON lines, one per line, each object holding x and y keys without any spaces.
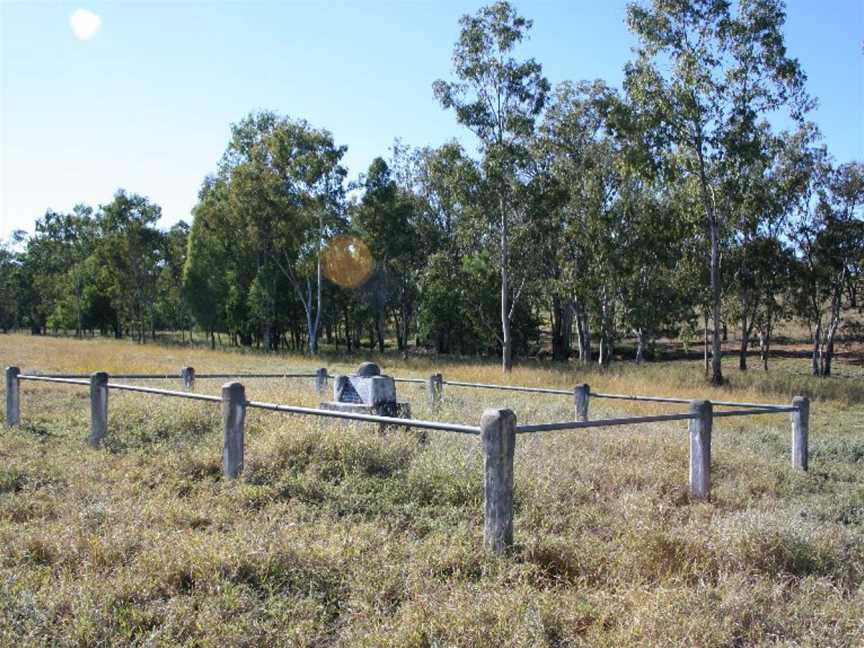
{"x":347,"y":261}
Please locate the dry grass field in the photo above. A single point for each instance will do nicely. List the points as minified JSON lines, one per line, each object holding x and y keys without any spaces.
{"x":335,"y":535}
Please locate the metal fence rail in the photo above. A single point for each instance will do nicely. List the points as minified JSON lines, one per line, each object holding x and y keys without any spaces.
{"x":122,"y":387}
{"x":577,"y":425}
{"x":57,"y":379}
{"x":87,"y":376}
{"x":671,"y":399}
{"x":387,"y":420}
{"x":257,"y":375}
{"x":634,"y":397}
{"x":175,"y":376}
{"x":163,"y":392}
{"x":516,"y":388}
{"x":753,"y":412}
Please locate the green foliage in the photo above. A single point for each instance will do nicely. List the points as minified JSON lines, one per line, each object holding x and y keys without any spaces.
{"x":599,"y":217}
{"x":499,"y":99}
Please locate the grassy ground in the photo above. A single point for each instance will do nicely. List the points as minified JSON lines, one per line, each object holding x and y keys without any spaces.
{"x":337,"y":536}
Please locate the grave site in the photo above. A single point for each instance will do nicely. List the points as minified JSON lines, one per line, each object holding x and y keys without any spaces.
{"x":432,"y":325}
{"x":334,"y":531}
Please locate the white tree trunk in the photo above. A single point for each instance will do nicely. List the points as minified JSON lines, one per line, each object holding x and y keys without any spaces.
{"x":506,"y":336}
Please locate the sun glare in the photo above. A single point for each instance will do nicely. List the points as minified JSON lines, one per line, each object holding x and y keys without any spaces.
{"x":84,"y":24}
{"x":347,"y":261}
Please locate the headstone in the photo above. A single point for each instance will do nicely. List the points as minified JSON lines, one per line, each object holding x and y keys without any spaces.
{"x":368,"y":369}
{"x":369,"y":392}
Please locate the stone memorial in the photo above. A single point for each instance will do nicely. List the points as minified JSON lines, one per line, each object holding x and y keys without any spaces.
{"x":367,"y":392}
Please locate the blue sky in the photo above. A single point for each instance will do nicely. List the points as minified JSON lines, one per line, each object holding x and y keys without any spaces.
{"x":146,"y":103}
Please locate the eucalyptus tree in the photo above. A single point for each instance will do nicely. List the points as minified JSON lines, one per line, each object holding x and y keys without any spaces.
{"x":277,"y":195}
{"x":450,"y":185}
{"x":451,"y":190}
{"x":655,"y":298}
{"x":755,"y":221}
{"x":133,"y":251}
{"x":292,"y":187}
{"x":704,"y":72}
{"x":772,"y":267}
{"x":214,"y":255}
{"x":609,"y":247}
{"x":830,"y":240}
{"x":84,"y":237}
{"x":498,"y":98}
{"x":171,"y":306}
{"x":386,"y":219}
{"x":569,"y":148}
{"x":307,"y":181}
{"x":10,"y":287}
{"x":54,"y":263}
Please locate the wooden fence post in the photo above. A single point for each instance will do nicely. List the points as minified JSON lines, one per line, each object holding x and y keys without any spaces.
{"x":188,"y":376}
{"x":700,"y":449}
{"x":98,"y":408}
{"x":800,"y":432}
{"x":434,"y":387}
{"x":233,"y":416}
{"x":13,"y":396}
{"x":321,"y":380}
{"x":498,"y":436}
{"x":580,"y":400}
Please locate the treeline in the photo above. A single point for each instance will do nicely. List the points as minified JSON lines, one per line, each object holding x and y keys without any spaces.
{"x":668,"y":207}
{"x":110,"y":271}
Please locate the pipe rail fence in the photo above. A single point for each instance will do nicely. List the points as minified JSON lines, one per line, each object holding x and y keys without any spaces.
{"x":497,"y":429}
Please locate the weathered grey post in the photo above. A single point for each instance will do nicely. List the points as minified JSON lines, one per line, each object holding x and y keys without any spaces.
{"x":700,"y":449}
{"x":434,"y":387}
{"x":580,"y":401}
{"x":233,"y":416}
{"x":321,"y":380}
{"x":498,"y":436}
{"x":800,"y":432}
{"x":188,"y":376}
{"x":13,"y":396}
{"x":98,"y":408}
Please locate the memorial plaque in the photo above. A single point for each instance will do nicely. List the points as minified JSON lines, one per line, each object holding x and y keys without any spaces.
{"x":367,"y":391}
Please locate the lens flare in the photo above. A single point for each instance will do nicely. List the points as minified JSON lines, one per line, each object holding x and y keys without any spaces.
{"x":347,"y":261}
{"x":84,"y":24}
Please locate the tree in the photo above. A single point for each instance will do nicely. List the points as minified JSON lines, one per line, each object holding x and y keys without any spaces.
{"x":830,"y":240}
{"x":577,"y":231}
{"x":132,"y":248}
{"x":766,"y":188}
{"x":10,"y":287}
{"x":171,"y":306}
{"x":498,"y":98}
{"x":703,"y":75}
{"x":385,"y":220}
{"x":286,"y":182}
{"x":444,"y":319}
{"x":53,"y":265}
